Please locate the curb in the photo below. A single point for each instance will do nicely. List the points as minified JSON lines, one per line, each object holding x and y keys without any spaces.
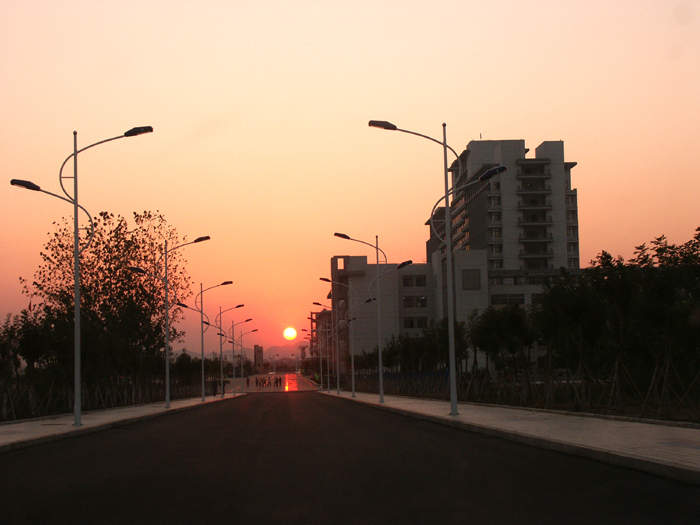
{"x":673,"y":472}
{"x":77,"y":432}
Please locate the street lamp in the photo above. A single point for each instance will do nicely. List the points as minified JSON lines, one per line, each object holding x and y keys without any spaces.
{"x":382,"y":124}
{"x":379,"y":315}
{"x":200,"y":295}
{"x":241,"y":344}
{"x":335,"y":328}
{"x":77,"y":404}
{"x":351,"y":291}
{"x":233,"y":352}
{"x":221,"y":348}
{"x":167,"y":308}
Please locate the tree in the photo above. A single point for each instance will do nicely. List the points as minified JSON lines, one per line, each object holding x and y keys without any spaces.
{"x":122,"y":313}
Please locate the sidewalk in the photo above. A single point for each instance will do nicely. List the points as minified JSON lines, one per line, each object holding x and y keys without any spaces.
{"x":664,"y":450}
{"x":25,"y":433}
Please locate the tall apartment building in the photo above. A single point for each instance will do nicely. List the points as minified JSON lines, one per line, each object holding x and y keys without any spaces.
{"x":511,"y":230}
{"x":508,"y":233}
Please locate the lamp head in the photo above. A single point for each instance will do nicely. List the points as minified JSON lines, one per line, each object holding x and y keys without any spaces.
{"x":247,"y":320}
{"x":342,"y":236}
{"x":136,"y":269}
{"x":254,"y":330}
{"x":318,"y":304}
{"x":490,"y":173}
{"x":25,"y":184}
{"x":200,"y":239}
{"x":138,"y":131}
{"x":183,"y":305}
{"x":404,"y":264}
{"x":382,"y":124}
{"x":225,"y":283}
{"x":325,"y":279}
{"x":239,"y":306}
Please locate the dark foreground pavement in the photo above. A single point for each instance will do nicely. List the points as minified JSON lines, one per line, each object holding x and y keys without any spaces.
{"x":308,"y":458}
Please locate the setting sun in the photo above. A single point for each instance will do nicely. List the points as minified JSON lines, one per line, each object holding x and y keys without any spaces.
{"x":290,"y":333}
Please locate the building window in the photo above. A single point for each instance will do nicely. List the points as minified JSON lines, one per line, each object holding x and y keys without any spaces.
{"x":422,"y":301}
{"x":421,"y":322}
{"x":409,"y":322}
{"x":573,"y":263}
{"x":471,"y":279}
{"x":421,"y":280}
{"x":496,"y":233}
{"x":571,"y":247}
{"x":496,"y":216}
{"x":408,"y":302}
{"x":499,"y":299}
{"x":496,"y":264}
{"x":408,"y":280}
{"x":496,"y":248}
{"x":571,"y":215}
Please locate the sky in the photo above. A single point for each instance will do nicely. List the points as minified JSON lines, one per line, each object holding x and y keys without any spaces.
{"x":260,"y":112}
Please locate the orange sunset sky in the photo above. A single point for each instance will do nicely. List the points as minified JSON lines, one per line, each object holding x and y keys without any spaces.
{"x":260,"y":112}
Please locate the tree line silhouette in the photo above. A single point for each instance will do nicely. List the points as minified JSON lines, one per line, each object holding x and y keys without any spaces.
{"x":620,"y":336}
{"x":122,"y":321}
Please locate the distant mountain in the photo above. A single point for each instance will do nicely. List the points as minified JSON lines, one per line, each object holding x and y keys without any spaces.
{"x":284,"y":351}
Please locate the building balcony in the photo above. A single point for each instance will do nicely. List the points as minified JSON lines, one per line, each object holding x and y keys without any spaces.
{"x":533,"y":174}
{"x":538,"y":237}
{"x":544,"y":221}
{"x":543,"y":205}
{"x":534,"y":189}
{"x":525,"y":254}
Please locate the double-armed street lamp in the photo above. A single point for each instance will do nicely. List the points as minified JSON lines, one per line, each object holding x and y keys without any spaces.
{"x":164,"y":279}
{"x":381,"y":124}
{"x":241,"y":344}
{"x":334,"y":331}
{"x":222,"y":337}
{"x":378,"y":300}
{"x":233,"y":351}
{"x":200,"y":309}
{"x":351,"y":291}
{"x":77,"y":404}
{"x":312,"y":338}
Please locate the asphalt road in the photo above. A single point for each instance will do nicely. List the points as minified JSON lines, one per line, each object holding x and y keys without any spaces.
{"x":302,"y":457}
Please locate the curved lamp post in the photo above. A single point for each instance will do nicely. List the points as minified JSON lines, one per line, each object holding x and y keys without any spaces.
{"x":77,"y":404}
{"x":241,"y":345}
{"x":351,"y":291}
{"x":334,"y":331}
{"x":381,"y":124}
{"x":233,"y":352}
{"x":200,"y":295}
{"x":378,"y":300}
{"x":222,"y":336}
{"x":379,"y":316}
{"x":167,"y":308}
